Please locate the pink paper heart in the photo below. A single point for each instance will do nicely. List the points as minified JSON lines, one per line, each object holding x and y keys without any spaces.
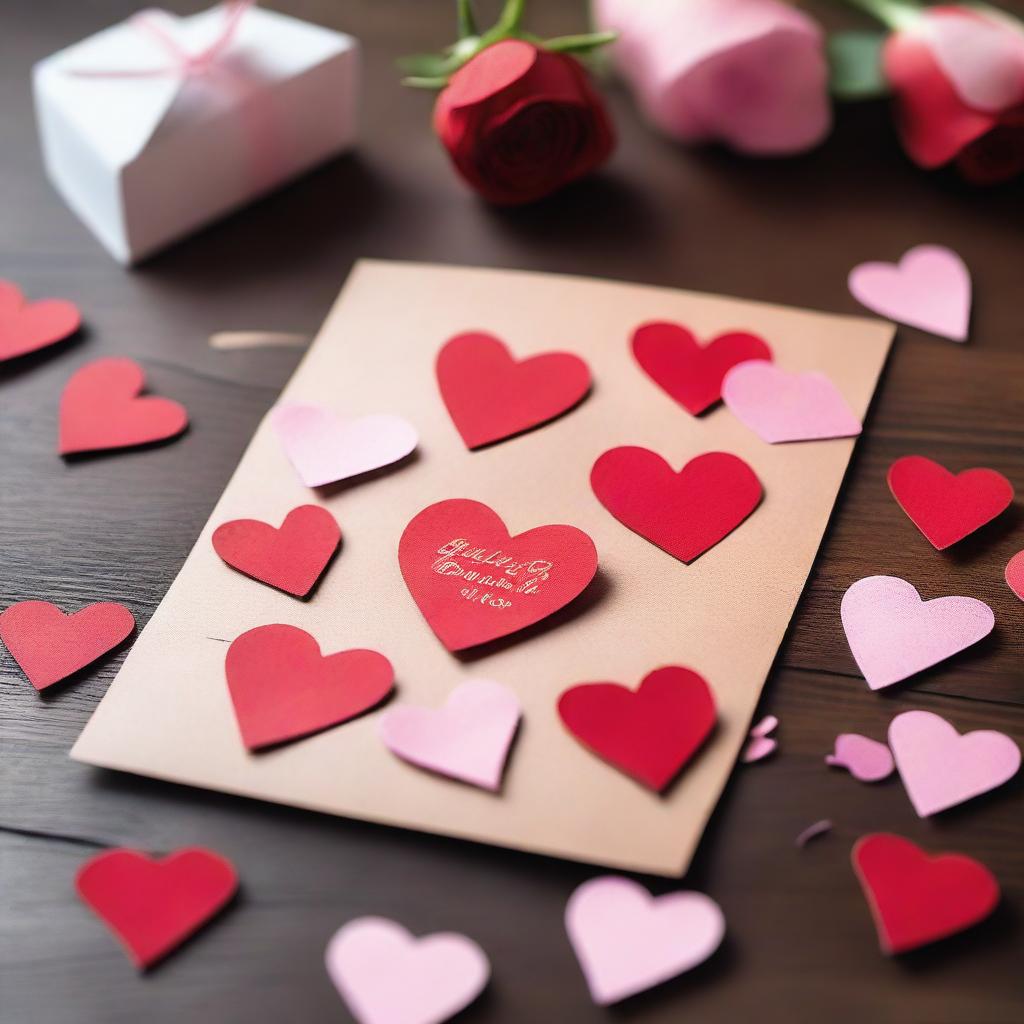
{"x":1015,"y":574}
{"x":929,"y":288}
{"x":467,"y":739}
{"x":940,"y":768}
{"x":387,"y":976}
{"x":865,"y":759}
{"x":893,"y":634}
{"x":324,"y":448}
{"x":780,"y":406}
{"x":627,"y":940}
{"x":758,"y":747}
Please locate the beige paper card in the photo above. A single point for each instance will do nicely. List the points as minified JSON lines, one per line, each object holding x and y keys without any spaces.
{"x":167,"y":714}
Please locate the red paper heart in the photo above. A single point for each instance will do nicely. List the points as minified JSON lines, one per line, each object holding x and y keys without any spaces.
{"x":152,"y":906}
{"x":491,"y":396}
{"x":100,"y":409}
{"x":291,"y":557}
{"x":28,"y":327}
{"x":283,"y":688}
{"x":690,"y":372}
{"x":944,"y":506}
{"x":916,"y":899}
{"x":50,"y":646}
{"x":649,"y":733}
{"x":473,"y":582}
{"x":683,"y":513}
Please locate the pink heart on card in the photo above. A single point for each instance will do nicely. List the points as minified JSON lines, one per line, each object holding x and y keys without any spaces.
{"x":467,"y":739}
{"x":940,"y":768}
{"x":893,"y":634}
{"x":929,"y":288}
{"x":627,"y":940}
{"x":387,"y":976}
{"x":324,"y":448}
{"x":780,"y":406}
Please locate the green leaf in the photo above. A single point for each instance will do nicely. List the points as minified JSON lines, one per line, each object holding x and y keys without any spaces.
{"x":417,"y":82}
{"x":855,"y":65}
{"x":585,"y":42}
{"x":424,"y":65}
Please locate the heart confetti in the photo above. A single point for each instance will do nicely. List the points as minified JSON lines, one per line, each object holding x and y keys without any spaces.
{"x":683,"y":513}
{"x":467,"y":739}
{"x":759,"y":741}
{"x":865,"y":759}
{"x":649,"y":733}
{"x":473,"y":582}
{"x":930,"y":288}
{"x":893,"y":634}
{"x":1015,"y":574}
{"x":627,"y":940}
{"x":325,"y":449}
{"x":28,"y":327}
{"x":101,"y":408}
{"x":688,"y":371}
{"x":916,"y":899}
{"x":291,"y":557}
{"x":387,"y":976}
{"x":781,"y":407}
{"x":818,"y":828}
{"x":50,"y":646}
{"x":153,"y":906}
{"x":491,"y":396}
{"x":940,"y":768}
{"x":283,"y":688}
{"x":946,"y":506}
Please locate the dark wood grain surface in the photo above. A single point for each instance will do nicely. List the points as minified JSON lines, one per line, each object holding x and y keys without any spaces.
{"x":800,"y":946}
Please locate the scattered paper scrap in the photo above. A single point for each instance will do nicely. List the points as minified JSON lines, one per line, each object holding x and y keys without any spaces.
{"x":916,"y":899}
{"x":893,"y":634}
{"x":627,"y":940}
{"x":865,"y":759}
{"x":257,"y":339}
{"x":765,"y":727}
{"x":760,"y":742}
{"x":30,"y":326}
{"x":1015,"y":574}
{"x":387,"y":976}
{"x":819,"y":828}
{"x":929,"y":288}
{"x":153,"y":906}
{"x":940,"y":768}
{"x":649,"y":733}
{"x":50,"y":646}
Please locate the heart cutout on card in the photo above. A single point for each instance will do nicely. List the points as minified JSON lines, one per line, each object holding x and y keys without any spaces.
{"x":627,"y":940}
{"x":283,"y":688}
{"x":490,"y":395}
{"x":893,"y":634}
{"x":387,"y":976}
{"x":28,"y":327}
{"x":152,"y":905}
{"x":102,"y":408}
{"x":290,"y":557}
{"x":916,"y":899}
{"x":946,"y":506}
{"x":325,"y":449}
{"x":467,"y":739}
{"x":689,"y":372}
{"x":941,"y":768}
{"x":683,"y":513}
{"x":649,"y":733}
{"x":473,"y":582}
{"x":50,"y":646}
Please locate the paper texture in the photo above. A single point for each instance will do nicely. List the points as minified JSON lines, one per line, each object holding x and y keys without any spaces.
{"x":168,"y":714}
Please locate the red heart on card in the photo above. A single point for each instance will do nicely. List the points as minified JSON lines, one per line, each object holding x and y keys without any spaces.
{"x":50,"y":646}
{"x":28,"y":327}
{"x":683,"y":513}
{"x":690,"y":372}
{"x":474,"y":582}
{"x":490,"y":395}
{"x":283,"y":688}
{"x":649,"y":733}
{"x":290,"y":557}
{"x":151,"y":905}
{"x":947,"y":506}
{"x":101,"y":408}
{"x":916,"y":899}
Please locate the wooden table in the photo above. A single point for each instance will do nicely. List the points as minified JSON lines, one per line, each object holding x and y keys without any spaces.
{"x":801,"y":946}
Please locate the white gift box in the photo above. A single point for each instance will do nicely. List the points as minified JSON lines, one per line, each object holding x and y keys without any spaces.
{"x":146,"y":146}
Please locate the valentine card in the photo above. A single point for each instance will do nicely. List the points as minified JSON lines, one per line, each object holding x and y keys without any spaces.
{"x":540,"y":512}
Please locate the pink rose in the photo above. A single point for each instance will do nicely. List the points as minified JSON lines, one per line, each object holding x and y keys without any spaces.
{"x":749,"y":73}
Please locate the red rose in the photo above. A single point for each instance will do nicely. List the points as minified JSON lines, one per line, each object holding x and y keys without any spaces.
{"x":520,"y":122}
